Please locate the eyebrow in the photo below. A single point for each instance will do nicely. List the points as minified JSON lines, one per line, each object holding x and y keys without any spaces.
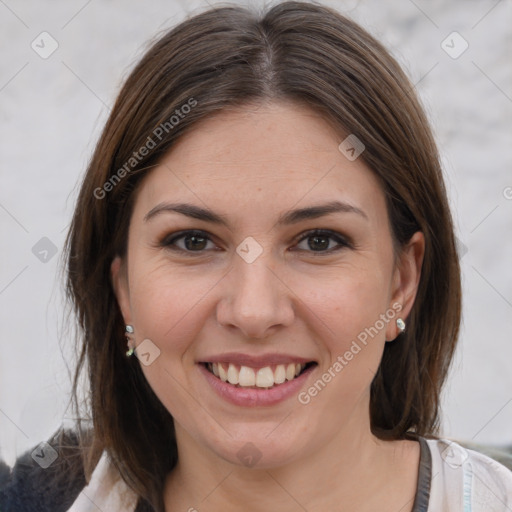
{"x":287,"y":218}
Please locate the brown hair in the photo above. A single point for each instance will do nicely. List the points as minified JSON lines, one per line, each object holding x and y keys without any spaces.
{"x":226,"y":58}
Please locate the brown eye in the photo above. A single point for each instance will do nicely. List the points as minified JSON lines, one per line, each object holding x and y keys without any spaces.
{"x":323,"y":241}
{"x":192,"y":241}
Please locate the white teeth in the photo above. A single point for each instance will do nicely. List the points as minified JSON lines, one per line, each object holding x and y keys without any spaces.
{"x":261,"y":377}
{"x":232,"y":374}
{"x":290,"y":371}
{"x":222,"y":373}
{"x":265,"y":377}
{"x":247,"y":376}
{"x":280,"y":374}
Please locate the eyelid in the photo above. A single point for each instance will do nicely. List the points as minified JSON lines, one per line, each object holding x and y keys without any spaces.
{"x":168,"y":240}
{"x":342,"y":240}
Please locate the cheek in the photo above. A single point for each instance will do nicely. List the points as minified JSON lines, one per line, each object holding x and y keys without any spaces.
{"x":166,"y":304}
{"x":167,"y":308}
{"x":347,"y":303}
{"x":170,"y":306}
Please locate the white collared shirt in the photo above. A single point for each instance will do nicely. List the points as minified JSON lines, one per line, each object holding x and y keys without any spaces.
{"x":451,"y":479}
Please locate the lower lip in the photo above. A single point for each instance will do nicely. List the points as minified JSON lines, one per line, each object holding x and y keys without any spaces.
{"x":251,"y":397}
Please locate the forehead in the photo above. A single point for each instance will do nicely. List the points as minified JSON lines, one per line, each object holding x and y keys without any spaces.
{"x":267,"y":157}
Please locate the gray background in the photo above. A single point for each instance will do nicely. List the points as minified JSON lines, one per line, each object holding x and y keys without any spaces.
{"x":53,"y":109}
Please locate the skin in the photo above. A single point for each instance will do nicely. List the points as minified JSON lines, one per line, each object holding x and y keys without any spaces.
{"x":250,"y":165}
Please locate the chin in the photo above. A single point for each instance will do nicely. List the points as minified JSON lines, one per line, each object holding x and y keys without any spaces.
{"x":259,"y":448}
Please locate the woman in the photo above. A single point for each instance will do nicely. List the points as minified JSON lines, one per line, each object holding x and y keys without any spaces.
{"x":263,"y":266}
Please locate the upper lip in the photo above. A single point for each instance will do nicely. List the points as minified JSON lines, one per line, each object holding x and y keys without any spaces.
{"x":254,"y":361}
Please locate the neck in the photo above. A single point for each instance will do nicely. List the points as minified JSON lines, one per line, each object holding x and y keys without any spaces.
{"x":347,"y":469}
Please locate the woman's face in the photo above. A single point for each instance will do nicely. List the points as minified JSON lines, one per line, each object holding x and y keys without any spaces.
{"x":254,"y":290}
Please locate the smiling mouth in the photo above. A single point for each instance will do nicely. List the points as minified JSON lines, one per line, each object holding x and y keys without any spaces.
{"x":266,"y":377}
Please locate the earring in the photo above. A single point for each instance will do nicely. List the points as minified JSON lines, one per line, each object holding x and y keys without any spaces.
{"x":129,"y":330}
{"x":400,"y":324}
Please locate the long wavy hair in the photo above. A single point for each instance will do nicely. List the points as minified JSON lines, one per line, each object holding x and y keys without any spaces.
{"x":228,"y":57}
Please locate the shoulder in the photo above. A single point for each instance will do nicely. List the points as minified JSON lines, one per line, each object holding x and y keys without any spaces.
{"x":48,"y":477}
{"x":465,"y":479}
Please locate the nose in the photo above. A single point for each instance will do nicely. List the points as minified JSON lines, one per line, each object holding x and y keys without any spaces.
{"x":255,"y":299}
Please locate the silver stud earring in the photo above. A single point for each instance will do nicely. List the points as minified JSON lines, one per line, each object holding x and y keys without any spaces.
{"x":129,"y":330}
{"x":400,"y":324}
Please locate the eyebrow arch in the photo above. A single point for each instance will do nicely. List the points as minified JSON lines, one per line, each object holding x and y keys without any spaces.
{"x":287,"y":218}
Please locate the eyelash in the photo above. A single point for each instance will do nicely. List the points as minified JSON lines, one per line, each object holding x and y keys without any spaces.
{"x":169,"y":241}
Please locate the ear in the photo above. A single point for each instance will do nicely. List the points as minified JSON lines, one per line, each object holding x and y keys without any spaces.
{"x":406,"y":278}
{"x":119,"y":276}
